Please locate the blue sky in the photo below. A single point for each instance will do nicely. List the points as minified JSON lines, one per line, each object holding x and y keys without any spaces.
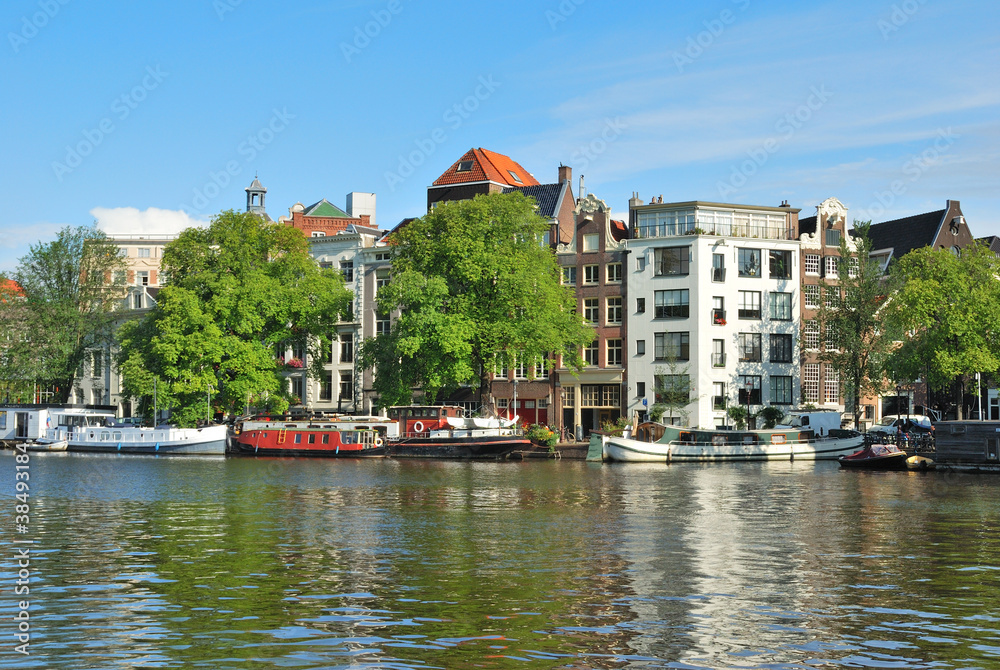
{"x":133,"y":112}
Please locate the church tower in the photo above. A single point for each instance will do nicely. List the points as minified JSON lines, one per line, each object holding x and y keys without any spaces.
{"x":255,"y":198}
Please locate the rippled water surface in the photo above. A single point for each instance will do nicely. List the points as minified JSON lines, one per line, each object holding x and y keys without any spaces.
{"x":241,"y":563}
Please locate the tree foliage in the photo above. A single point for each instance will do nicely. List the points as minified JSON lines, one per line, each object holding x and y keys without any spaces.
{"x":855,"y":338}
{"x":69,"y":291}
{"x":475,"y":291}
{"x":236,"y":290}
{"x":949,"y":306}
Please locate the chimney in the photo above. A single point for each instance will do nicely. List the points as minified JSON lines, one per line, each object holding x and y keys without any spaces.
{"x":635,"y":201}
{"x":583,"y":190}
{"x":565,"y":173}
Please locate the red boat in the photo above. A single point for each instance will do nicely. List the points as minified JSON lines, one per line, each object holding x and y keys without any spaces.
{"x":443,"y":431}
{"x":876,"y":457}
{"x":329,"y":439}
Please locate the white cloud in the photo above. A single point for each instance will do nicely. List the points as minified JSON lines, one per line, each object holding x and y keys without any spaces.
{"x":152,"y":221}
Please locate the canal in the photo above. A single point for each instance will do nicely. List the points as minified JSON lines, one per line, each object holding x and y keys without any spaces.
{"x":241,"y":563}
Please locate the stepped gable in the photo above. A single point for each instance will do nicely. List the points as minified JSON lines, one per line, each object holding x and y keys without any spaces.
{"x":478,"y":165}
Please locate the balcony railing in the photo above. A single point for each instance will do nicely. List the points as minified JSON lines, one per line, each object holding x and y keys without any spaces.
{"x":719,"y":317}
{"x":718,"y":402}
{"x":718,"y":360}
{"x":718,"y":274}
{"x":786,"y":232}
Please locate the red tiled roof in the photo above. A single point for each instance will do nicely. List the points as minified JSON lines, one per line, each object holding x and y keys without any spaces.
{"x":486,"y":166}
{"x":618,"y":230}
{"x":10,"y":287}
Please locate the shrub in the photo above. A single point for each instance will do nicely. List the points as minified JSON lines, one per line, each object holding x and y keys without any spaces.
{"x":542,"y":435}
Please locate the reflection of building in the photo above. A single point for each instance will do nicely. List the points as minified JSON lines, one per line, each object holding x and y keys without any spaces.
{"x":820,"y":237}
{"x":592,"y":262}
{"x":712,"y":313}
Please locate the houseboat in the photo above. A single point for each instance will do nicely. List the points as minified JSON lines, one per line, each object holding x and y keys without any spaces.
{"x":809,"y":436}
{"x":30,"y":423}
{"x":348,"y":437}
{"x":443,"y":431}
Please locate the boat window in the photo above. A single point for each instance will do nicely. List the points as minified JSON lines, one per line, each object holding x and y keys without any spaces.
{"x":777,"y":439}
{"x":805,"y":421}
{"x":105,"y":435}
{"x":687,"y":437}
{"x":718,"y":440}
{"x":298,"y":438}
{"x":117,"y":435}
{"x":312,"y":439}
{"x":326,"y":439}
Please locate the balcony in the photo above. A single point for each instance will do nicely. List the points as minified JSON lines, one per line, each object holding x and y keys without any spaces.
{"x":719,"y":317}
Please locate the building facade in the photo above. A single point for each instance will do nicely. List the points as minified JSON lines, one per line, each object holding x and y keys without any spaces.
{"x":713,"y":313}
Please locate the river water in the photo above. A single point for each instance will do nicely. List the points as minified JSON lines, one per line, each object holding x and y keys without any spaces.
{"x":241,"y":563}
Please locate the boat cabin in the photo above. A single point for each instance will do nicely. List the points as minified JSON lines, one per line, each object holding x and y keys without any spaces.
{"x":19,"y":423}
{"x":416,"y":420}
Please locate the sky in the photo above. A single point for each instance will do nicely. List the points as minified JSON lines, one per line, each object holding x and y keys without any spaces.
{"x":150,"y":117}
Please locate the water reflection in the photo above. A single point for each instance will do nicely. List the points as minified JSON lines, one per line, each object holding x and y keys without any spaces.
{"x":253,"y":563}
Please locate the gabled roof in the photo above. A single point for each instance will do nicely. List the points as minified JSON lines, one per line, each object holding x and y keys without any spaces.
{"x":480,"y":165}
{"x":325,"y":208}
{"x":992,"y":243}
{"x":619,"y":231}
{"x":548,"y":197}
{"x":906,"y":234}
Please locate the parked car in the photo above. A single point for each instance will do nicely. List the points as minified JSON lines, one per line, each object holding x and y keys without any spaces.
{"x":896,"y":423}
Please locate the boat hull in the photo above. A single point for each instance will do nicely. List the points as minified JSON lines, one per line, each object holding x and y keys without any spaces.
{"x":324,"y":452}
{"x":634,"y":451}
{"x":461,"y":448}
{"x":150,"y":441}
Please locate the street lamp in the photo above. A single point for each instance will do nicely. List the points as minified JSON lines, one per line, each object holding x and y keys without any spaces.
{"x":749,"y":389}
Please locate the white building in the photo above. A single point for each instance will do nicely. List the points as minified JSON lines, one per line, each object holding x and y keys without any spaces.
{"x":713,"y":304}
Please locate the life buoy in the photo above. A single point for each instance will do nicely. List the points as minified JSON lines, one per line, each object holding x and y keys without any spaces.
{"x":378,"y":441}
{"x":418,"y":427}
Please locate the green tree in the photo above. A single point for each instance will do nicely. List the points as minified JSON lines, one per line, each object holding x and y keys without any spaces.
{"x":475,"y":290}
{"x":740,"y":415}
{"x":855,"y":338}
{"x":672,"y":390}
{"x":236,"y":290}
{"x":70,"y":292}
{"x":771,"y":416}
{"x":949,"y":305}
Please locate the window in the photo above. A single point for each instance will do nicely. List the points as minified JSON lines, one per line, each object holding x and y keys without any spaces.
{"x":811,"y":293}
{"x":591,"y":274}
{"x":503,"y":403}
{"x":464,"y":166}
{"x":640,"y":389}
{"x":347,"y":347}
{"x":832,"y":237}
{"x":718,"y":267}
{"x":672,"y":304}
{"x":640,"y":347}
{"x":831,"y":385}
{"x":852,"y":266}
{"x":749,"y":262}
{"x":831,"y":266}
{"x":143,"y":253}
{"x":96,"y":364}
{"x":383,"y":256}
{"x":382,"y":324}
{"x":781,"y":390}
{"x":781,"y":348}
{"x":513,"y":175}
{"x":672,"y":346}
{"x":122,"y":253}
{"x":812,"y":264}
{"x":142,"y":278}
{"x":832,"y":340}
{"x":346,"y":386}
{"x":614,"y":352}
{"x":569,"y":396}
{"x":590,"y":242}
{"x":614,"y":311}
{"x":832,"y":295}
{"x":718,"y":353}
{"x":673,"y":389}
{"x":812,"y":334}
{"x":137,"y":300}
{"x":718,"y":395}
{"x":640,"y":305}
{"x":569,"y":275}
{"x":326,"y":388}
{"x":542,"y":370}
{"x":749,"y":305}
{"x":614,"y":273}
{"x":810,"y":382}
{"x":640,"y":263}
{"x":382,"y":278}
{"x":318,"y":233}
{"x":780,"y":266}
{"x":719,"y":310}
{"x":591,"y":354}
{"x":749,"y":389}
{"x":781,"y":306}
{"x":591,"y":310}
{"x":671,"y":261}
{"x":347,"y":270}
{"x":520,"y":370}
{"x":749,"y":347}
